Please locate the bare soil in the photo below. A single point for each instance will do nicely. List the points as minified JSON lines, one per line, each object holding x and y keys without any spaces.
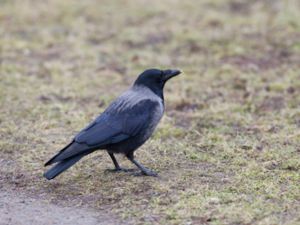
{"x":19,"y":209}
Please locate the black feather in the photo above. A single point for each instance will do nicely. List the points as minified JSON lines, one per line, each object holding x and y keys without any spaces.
{"x":70,"y":150}
{"x":62,"y":166}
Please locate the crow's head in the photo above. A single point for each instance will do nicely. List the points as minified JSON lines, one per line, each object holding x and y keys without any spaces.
{"x":155,"y":79}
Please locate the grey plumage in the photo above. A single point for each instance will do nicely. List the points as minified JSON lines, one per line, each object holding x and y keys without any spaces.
{"x":123,"y":127}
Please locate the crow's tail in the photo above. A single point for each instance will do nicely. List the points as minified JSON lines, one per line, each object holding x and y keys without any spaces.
{"x":62,"y":166}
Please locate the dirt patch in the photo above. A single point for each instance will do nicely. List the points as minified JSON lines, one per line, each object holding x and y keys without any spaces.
{"x":240,"y":7}
{"x":18,"y":209}
{"x":275,"y":103}
{"x":269,"y":60}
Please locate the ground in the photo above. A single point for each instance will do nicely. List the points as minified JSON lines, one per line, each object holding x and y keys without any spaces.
{"x":227,"y":150}
{"x":19,"y":209}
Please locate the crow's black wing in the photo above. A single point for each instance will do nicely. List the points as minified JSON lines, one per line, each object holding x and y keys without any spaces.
{"x":116,"y":124}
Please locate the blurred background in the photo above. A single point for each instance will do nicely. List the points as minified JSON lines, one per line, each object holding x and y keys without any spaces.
{"x":227,"y":150}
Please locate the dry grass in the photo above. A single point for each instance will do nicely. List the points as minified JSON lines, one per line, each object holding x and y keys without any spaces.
{"x":228,"y":148}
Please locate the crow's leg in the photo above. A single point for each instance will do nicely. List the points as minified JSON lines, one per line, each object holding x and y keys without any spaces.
{"x":144,"y":170}
{"x":113,"y":158}
{"x":117,"y":166}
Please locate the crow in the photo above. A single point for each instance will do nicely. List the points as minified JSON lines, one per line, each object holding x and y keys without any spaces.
{"x":123,"y":127}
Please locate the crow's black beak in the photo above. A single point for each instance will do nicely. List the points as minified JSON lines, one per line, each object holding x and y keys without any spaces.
{"x":170,"y":73}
